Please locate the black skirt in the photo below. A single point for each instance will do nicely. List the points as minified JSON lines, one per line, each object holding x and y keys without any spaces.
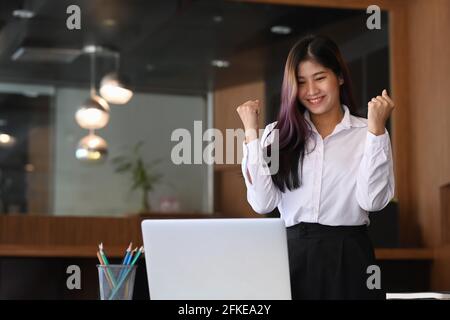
{"x":328,"y":262}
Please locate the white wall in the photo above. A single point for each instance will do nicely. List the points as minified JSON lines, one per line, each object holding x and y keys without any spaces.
{"x":87,"y":189}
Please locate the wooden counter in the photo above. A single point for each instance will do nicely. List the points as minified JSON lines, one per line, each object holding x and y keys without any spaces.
{"x":70,"y":236}
{"x":75,"y":231}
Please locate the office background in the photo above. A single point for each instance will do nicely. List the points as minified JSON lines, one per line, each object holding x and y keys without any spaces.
{"x":56,"y":209}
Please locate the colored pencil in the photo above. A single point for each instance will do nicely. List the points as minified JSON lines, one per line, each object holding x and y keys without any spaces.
{"x":116,"y":289}
{"x":102,"y":253}
{"x":128,"y":251}
{"x":102,"y":263}
{"x":141,"y":250}
{"x":125,"y":260}
{"x":106,"y":263}
{"x":130,"y":257}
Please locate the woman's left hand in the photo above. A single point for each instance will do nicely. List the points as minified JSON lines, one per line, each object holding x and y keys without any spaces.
{"x":380,"y":109}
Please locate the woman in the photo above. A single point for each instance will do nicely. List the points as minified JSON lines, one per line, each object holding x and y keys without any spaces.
{"x":333,"y":168}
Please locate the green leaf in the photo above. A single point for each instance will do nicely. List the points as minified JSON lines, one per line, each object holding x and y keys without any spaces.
{"x":143,"y":175}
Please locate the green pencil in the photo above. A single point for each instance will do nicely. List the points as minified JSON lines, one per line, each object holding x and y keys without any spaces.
{"x":138,"y":254}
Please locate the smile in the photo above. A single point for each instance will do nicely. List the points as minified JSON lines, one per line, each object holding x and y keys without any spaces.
{"x":316,"y":100}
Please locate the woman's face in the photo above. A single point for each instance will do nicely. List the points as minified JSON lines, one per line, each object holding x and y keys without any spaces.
{"x":318,"y":87}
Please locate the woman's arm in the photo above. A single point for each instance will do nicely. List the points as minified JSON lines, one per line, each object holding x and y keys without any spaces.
{"x":262,"y":194}
{"x":375,"y":182}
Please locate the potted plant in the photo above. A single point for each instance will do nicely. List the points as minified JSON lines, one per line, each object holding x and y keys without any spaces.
{"x":143,"y":177}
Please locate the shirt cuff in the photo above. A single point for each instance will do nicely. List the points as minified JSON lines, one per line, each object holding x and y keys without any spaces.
{"x":378,"y":141}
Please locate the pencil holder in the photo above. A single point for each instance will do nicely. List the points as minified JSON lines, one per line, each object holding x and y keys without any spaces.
{"x":116,"y":281}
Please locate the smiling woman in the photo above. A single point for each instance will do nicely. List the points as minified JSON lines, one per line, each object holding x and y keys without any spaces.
{"x":325,"y":212}
{"x":176,"y":91}
{"x":196,"y":61}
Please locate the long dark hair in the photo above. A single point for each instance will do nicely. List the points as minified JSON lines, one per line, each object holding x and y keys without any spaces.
{"x":294,"y":130}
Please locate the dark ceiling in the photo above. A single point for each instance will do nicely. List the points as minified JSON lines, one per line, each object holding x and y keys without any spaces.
{"x":165,"y":45}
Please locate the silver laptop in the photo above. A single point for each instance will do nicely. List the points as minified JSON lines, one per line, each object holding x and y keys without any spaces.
{"x":217,"y":259}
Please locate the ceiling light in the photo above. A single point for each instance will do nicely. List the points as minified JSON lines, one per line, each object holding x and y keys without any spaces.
{"x":281,"y":29}
{"x":6,"y":140}
{"x":23,"y":14}
{"x":220,"y":63}
{"x":92,"y":148}
{"x":93,"y":114}
{"x":115,"y":89}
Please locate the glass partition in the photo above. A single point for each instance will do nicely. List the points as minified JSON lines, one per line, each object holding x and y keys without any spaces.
{"x":175,"y":56}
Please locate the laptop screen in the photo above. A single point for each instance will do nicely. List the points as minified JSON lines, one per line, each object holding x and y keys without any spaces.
{"x":217,"y":259}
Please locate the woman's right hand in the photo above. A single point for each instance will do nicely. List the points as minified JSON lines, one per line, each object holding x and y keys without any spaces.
{"x":249,"y":113}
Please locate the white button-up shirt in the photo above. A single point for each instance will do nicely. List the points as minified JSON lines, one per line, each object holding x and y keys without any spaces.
{"x":347,"y":174}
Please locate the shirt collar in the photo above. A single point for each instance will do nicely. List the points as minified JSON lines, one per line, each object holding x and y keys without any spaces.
{"x":347,"y":121}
